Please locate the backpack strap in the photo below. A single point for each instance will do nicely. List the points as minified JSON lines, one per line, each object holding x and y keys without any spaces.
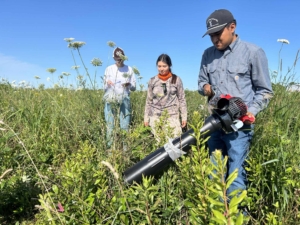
{"x":174,"y":79}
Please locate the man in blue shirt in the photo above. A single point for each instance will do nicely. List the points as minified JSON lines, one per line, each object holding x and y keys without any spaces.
{"x":240,"y":69}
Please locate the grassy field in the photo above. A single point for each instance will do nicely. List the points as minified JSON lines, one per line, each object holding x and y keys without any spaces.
{"x":56,"y":170}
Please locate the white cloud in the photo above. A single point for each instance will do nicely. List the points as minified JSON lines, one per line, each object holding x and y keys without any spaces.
{"x":12,"y":68}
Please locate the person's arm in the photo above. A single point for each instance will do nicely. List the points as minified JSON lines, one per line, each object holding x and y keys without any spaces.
{"x":132,"y":85}
{"x":261,"y":82}
{"x":203,"y":79}
{"x":182,"y":101}
{"x":107,"y":81}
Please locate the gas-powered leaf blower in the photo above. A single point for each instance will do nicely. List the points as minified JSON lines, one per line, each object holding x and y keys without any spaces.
{"x":229,"y":114}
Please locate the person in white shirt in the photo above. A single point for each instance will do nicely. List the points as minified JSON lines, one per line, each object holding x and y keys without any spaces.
{"x":119,"y":81}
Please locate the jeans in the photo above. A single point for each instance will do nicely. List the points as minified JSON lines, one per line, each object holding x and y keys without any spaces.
{"x":110,"y":112}
{"x":235,"y":145}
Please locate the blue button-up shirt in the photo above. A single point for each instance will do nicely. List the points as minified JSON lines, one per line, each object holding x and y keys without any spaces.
{"x":241,"y":70}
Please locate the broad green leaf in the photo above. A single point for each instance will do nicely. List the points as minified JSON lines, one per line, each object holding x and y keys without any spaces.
{"x":219,"y":216}
{"x":236,"y":200}
{"x":215,"y":202}
{"x":240,"y":218}
{"x":55,"y":189}
{"x":231,"y":178}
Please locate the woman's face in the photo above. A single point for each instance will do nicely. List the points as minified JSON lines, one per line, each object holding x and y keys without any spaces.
{"x":163,"y":68}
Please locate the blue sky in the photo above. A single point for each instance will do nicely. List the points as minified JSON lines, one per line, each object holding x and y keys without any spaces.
{"x":32,"y":34}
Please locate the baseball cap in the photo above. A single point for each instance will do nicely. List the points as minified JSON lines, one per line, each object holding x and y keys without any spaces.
{"x":118,"y":53}
{"x":218,"y":20}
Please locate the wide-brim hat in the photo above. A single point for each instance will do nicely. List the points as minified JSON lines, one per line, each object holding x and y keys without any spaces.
{"x":218,"y":20}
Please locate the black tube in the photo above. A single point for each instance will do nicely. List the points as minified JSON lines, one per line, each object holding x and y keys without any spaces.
{"x":159,"y":159}
{"x":150,"y":165}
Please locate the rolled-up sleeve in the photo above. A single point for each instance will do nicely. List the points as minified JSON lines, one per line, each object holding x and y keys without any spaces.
{"x":203,"y":74}
{"x":261,"y":82}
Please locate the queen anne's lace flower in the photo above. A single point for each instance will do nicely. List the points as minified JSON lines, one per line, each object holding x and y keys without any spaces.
{"x":69,"y":39}
{"x":111,"y":44}
{"x":51,"y":70}
{"x":96,"y":62}
{"x":65,"y":73}
{"x":76,"y":44}
{"x":75,"y":67}
{"x":285,"y":41}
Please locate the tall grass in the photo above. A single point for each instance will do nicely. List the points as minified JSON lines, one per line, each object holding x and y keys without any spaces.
{"x":65,"y":163}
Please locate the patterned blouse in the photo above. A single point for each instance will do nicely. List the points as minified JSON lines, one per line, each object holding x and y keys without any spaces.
{"x":164,"y":95}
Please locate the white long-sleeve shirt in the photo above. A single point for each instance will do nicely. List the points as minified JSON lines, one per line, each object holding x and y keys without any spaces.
{"x":119,"y":76}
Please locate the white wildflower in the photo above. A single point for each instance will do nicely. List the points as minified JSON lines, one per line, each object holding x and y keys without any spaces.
{"x":75,"y":67}
{"x":69,"y":39}
{"x":76,"y":44}
{"x":25,"y":179}
{"x":2,"y":129}
{"x":65,"y":73}
{"x":48,"y":79}
{"x":285,"y":41}
{"x":96,"y":62}
{"x":1,"y":122}
{"x":51,"y":70}
{"x":111,"y":44}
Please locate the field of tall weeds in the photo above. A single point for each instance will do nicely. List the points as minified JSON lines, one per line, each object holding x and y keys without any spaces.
{"x":55,"y":168}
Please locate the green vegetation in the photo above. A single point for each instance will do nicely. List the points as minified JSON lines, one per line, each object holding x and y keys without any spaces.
{"x":55,"y":169}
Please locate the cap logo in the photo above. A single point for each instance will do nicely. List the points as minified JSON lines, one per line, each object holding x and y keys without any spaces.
{"x":212,"y":22}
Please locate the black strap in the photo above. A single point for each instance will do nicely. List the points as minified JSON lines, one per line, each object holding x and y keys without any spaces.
{"x":174,"y":78}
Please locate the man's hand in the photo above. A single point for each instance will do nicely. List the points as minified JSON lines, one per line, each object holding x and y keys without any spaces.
{"x":251,"y":118}
{"x":109,"y":82}
{"x":207,"y":90}
{"x":146,"y":124}
{"x":183,"y":123}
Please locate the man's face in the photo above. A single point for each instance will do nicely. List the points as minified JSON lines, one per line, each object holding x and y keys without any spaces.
{"x":223,"y":38}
